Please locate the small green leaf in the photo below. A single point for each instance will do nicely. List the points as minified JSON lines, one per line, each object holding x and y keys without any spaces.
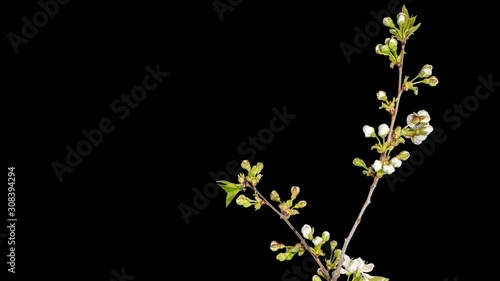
{"x":230,"y":196}
{"x":231,"y":189}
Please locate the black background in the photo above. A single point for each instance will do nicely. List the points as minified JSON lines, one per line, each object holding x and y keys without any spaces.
{"x":119,"y":208}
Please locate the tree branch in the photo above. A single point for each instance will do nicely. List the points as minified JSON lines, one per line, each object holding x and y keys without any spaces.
{"x":302,"y":240}
{"x":383,"y":156}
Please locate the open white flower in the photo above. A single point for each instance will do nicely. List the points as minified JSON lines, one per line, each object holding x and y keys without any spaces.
{"x":415,"y":119}
{"x":351,"y":266}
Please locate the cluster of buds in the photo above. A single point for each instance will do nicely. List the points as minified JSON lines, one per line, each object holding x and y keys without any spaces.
{"x":251,"y":179}
{"x":290,"y":251}
{"x":405,"y":25}
{"x":384,"y":166}
{"x":424,"y":76}
{"x":246,"y":202}
{"x":288,"y":208}
{"x":318,"y":241}
{"x":390,"y":49}
{"x":417,"y":129}
{"x":405,"y":28}
{"x":386,"y":104}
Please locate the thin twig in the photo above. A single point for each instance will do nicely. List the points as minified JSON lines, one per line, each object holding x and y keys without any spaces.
{"x":376,"y":178}
{"x":302,"y":240}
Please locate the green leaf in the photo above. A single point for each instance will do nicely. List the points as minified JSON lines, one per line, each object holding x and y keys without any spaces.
{"x":230,"y":196}
{"x":229,"y":186}
{"x":231,"y":189}
{"x":404,"y":10}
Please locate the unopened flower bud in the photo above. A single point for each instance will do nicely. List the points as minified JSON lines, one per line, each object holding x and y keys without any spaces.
{"x":369,"y":131}
{"x":295,"y":190}
{"x":275,"y":245}
{"x":325,"y":236}
{"x":388,"y":169}
{"x":281,"y":257}
{"x":383,"y":130}
{"x":381,"y":49}
{"x":333,"y":245}
{"x":426,"y":71}
{"x":431,"y":81}
{"x":316,"y":278}
{"x":301,"y":204}
{"x":377,"y":165}
{"x":387,"y":21}
{"x":393,"y":44}
{"x":401,"y":19}
{"x":317,"y":241}
{"x":245,"y":164}
{"x":395,"y":162}
{"x":244,"y":201}
{"x":403,"y":155}
{"x":358,"y":162}
{"x":381,"y":95}
{"x":306,"y":231}
{"x":259,"y":167}
{"x":275,"y":196}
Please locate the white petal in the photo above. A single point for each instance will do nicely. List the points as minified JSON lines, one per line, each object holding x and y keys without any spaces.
{"x":409,"y":119}
{"x":428,"y":129}
{"x":368,"y":130}
{"x":347,"y":261}
{"x":367,"y":267}
{"x":396,"y":162}
{"x":388,"y":169}
{"x":425,"y":114}
{"x":383,"y":130}
{"x":306,"y":230}
{"x":377,"y":165}
{"x":353,"y":266}
{"x":317,"y":240}
{"x":418,"y":139}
